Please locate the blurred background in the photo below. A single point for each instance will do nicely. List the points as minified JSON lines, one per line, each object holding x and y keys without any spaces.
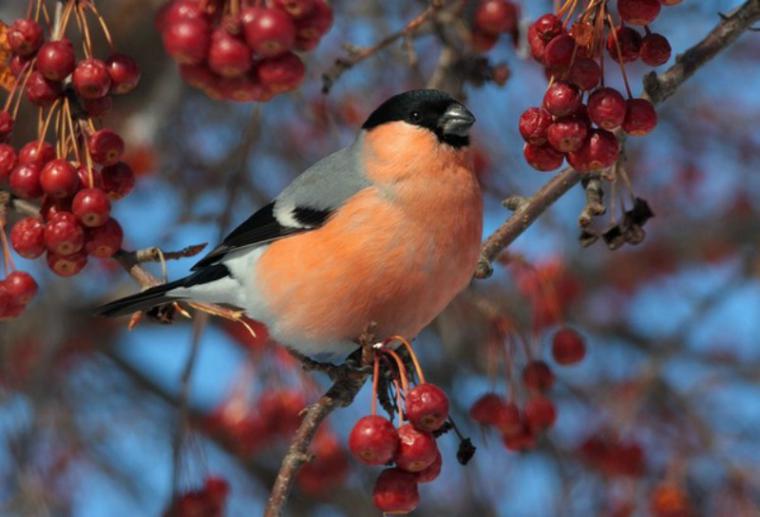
{"x":664,"y":407}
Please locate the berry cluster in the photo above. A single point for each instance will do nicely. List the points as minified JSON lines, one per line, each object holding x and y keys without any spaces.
{"x":520,"y":428}
{"x":579,"y":113}
{"x":491,"y":19}
{"x":209,"y":500}
{"x":242,"y":52}
{"x":411,"y":447}
{"x":78,"y":176}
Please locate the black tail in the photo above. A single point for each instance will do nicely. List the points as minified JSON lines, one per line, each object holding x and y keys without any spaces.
{"x":158,"y":295}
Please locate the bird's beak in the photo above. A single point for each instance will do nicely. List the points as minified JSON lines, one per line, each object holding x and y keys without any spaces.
{"x":456,"y":120}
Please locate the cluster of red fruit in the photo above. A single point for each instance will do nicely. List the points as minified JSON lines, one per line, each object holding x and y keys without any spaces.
{"x":78,"y":178}
{"x":520,"y":429}
{"x":412,"y":447}
{"x":242,"y":53}
{"x":491,"y":19}
{"x":566,"y":126}
{"x":207,"y":501}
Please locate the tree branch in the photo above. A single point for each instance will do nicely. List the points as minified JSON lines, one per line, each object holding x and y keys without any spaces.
{"x":658,"y":87}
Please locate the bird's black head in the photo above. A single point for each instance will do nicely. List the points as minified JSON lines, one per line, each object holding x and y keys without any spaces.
{"x":432,"y":109}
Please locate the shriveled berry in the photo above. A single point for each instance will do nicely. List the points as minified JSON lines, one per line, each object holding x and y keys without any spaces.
{"x":105,"y":146}
{"x":8,"y":160}
{"x":68,"y":265}
{"x":533,"y":125}
{"x":373,"y":440}
{"x":629,"y":41}
{"x":268,"y":31}
{"x":36,"y":153}
{"x":118,"y":180}
{"x":59,"y":179}
{"x":599,"y":151}
{"x":585,"y":73}
{"x":63,"y":234}
{"x":568,"y":346}
{"x":21,"y":286}
{"x":655,"y":49}
{"x":91,"y":206}
{"x":124,"y":73}
{"x":105,"y":240}
{"x":396,"y":492}
{"x":25,"y":37}
{"x":56,"y":59}
{"x":639,"y":12}
{"x":559,"y":52}
{"x":606,"y":108}
{"x":540,"y":413}
{"x":40,"y":91}
{"x":187,"y":40}
{"x":91,"y":79}
{"x":541,"y":32}
{"x":417,"y":449}
{"x":427,"y":407}
{"x":640,"y":117}
{"x":281,"y":73}
{"x":562,"y":99}
{"x":496,"y":16}
{"x":432,"y":472}
{"x":542,"y":157}
{"x":567,"y":134}
{"x":25,"y":181}
{"x":538,"y":376}
{"x":28,"y":237}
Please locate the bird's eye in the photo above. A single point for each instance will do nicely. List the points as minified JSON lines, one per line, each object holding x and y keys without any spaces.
{"x":415,"y":116}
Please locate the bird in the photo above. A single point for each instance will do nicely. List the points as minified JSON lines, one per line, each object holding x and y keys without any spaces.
{"x":385,"y":231}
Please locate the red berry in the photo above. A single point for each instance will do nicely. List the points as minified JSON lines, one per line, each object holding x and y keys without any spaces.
{"x":7,"y":160}
{"x":198,"y":76}
{"x":40,"y":91}
{"x":51,"y":206}
{"x":242,"y":89}
{"x":28,"y":237}
{"x":59,"y":179}
{"x":522,"y":440}
{"x":295,"y":8}
{"x":567,"y":134}
{"x":640,"y":117}
{"x":97,"y":107}
{"x":91,"y":79}
{"x":56,"y":59}
{"x":485,"y":410}
{"x":68,"y":265}
{"x":585,"y":73}
{"x":655,"y":49}
{"x":606,"y":108}
{"x":105,"y":146}
{"x":541,"y":32}
{"x":25,"y":181}
{"x":600,"y":151}
{"x":417,"y":449}
{"x":118,"y":180}
{"x":508,"y":419}
{"x":567,"y":346}
{"x":559,"y":52}
{"x":124,"y":73}
{"x":313,"y":26}
{"x":482,"y":41}
{"x":5,"y":301}
{"x":639,"y":12}
{"x":542,"y":157}
{"x":670,"y":2}
{"x":282,"y":73}
{"x":36,"y":153}
{"x":538,"y":376}
{"x":396,"y":492}
{"x":105,"y":240}
{"x":84,"y":178}
{"x":427,"y":407}
{"x":63,"y":234}
{"x":268,"y":31}
{"x":91,"y":206}
{"x":179,"y":10}
{"x":540,"y":413}
{"x":6,"y":124}
{"x":562,"y":99}
{"x":629,"y":41}
{"x":496,"y":16}
{"x":18,"y":64}
{"x":432,"y":472}
{"x":228,"y":55}
{"x":373,"y":440}
{"x":21,"y":286}
{"x":25,"y":37}
{"x":187,"y":40}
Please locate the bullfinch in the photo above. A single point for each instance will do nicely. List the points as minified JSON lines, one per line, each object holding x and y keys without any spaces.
{"x":386,"y":230}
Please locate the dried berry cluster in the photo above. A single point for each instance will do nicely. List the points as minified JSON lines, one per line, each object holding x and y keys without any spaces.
{"x":520,"y":428}
{"x":78,"y":175}
{"x":579,"y":113}
{"x":410,"y":450}
{"x":242,"y":52}
{"x":209,"y":500}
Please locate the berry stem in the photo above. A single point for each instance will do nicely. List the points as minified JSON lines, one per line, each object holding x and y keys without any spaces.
{"x":7,"y":257}
{"x":85,"y":30}
{"x":103,"y":25}
{"x":415,"y":361}
{"x":375,"y":381}
{"x":43,"y":132}
{"x":400,"y":366}
{"x":87,"y":155}
{"x":620,"y":55}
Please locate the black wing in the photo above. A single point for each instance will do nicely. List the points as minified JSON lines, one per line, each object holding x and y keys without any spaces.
{"x":262,"y":227}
